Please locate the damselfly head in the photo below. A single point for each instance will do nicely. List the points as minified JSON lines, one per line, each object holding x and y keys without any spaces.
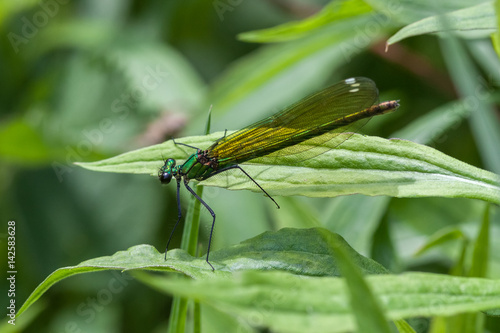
{"x":165,"y":172}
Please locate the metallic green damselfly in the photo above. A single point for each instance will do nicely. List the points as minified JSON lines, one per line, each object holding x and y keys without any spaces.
{"x":316,"y":119}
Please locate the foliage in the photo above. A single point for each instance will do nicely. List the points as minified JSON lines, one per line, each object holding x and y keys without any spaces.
{"x":104,"y":85}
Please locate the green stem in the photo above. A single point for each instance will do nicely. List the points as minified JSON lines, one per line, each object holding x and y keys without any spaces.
{"x":190,"y":234}
{"x":178,"y":314}
{"x":189,"y":242}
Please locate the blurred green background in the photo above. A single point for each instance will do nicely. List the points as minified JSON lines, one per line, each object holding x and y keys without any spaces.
{"x":87,"y":80}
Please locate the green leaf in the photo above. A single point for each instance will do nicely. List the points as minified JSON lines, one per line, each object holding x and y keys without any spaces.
{"x":495,"y":37}
{"x":477,"y":21}
{"x":362,"y":164}
{"x":481,"y":252}
{"x":291,"y":303}
{"x":403,"y":326}
{"x":358,"y":225}
{"x":486,"y":58}
{"x":483,"y":120}
{"x":409,"y":11}
{"x":299,"y":251}
{"x":336,"y":10}
{"x":366,"y":308}
{"x":308,"y":62}
{"x":382,"y":245}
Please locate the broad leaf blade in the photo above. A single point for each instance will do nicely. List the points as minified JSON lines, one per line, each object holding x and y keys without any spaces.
{"x":299,"y":251}
{"x":365,"y":165}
